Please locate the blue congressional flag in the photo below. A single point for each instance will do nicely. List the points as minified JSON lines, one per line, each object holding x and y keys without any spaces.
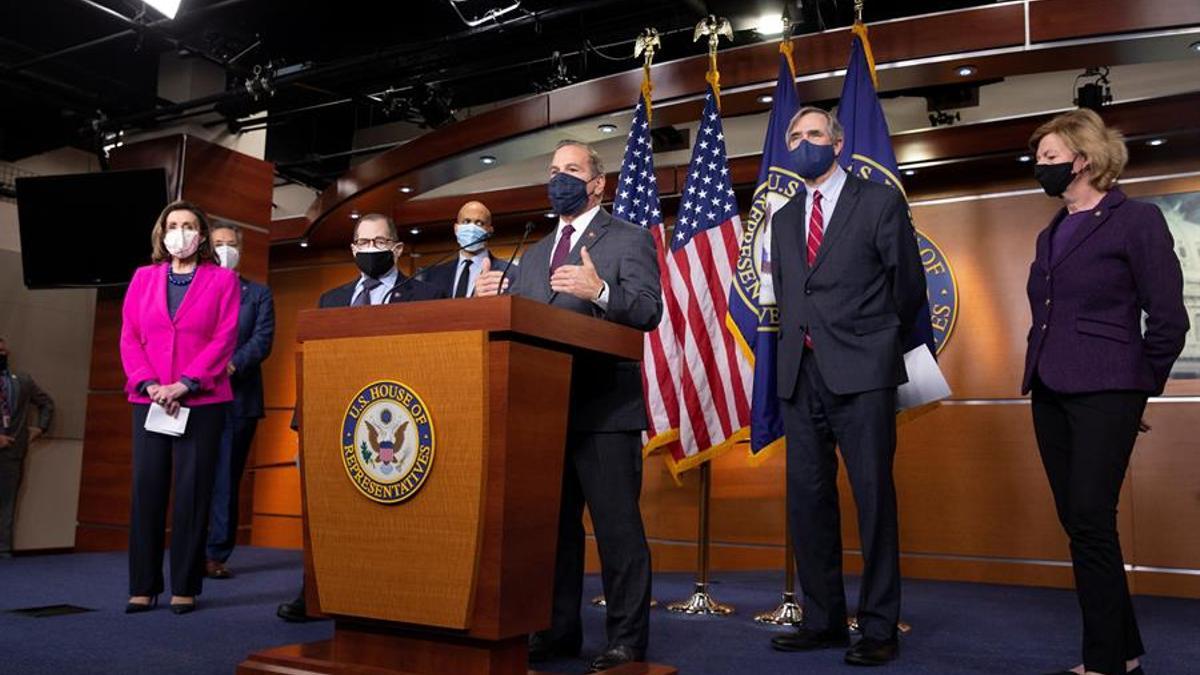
{"x":867,"y":150}
{"x":753,"y":315}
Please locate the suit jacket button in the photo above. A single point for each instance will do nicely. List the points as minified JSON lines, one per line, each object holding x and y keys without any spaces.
{"x":807,"y":291}
{"x":1047,"y":301}
{"x":1043,"y":326}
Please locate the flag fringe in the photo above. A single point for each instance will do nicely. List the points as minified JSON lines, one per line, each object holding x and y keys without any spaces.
{"x":677,"y":467}
{"x":860,"y":29}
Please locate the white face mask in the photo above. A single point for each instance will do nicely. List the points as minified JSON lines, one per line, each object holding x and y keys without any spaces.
{"x":228,"y":256}
{"x":182,"y":243}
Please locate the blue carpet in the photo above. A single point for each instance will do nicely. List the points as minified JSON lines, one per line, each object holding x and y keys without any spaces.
{"x":957,"y":628}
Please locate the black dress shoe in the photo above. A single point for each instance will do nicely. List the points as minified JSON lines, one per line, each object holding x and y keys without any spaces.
{"x":183,"y":607}
{"x":870,"y":652}
{"x":615,"y":656}
{"x":806,"y":640}
{"x":543,"y":647}
{"x":293,"y":612}
{"x":138,"y":607}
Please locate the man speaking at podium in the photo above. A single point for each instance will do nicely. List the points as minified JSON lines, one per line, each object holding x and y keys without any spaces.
{"x":597,"y":265}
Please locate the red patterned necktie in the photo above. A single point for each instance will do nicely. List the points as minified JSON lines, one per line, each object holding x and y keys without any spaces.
{"x":816,"y":232}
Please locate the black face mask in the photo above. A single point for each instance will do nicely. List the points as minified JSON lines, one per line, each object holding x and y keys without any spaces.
{"x":1054,"y":178}
{"x":375,"y":263}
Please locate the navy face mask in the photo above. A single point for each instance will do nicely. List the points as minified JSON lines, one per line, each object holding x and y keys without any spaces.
{"x":812,"y":160}
{"x":568,"y":194}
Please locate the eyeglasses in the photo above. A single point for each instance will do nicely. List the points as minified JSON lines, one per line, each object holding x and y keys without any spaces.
{"x":379,"y":242}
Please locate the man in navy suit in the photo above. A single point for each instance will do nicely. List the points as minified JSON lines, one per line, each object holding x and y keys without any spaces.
{"x":256,"y":332}
{"x":376,"y":245}
{"x":849,"y":283}
{"x":456,"y":278}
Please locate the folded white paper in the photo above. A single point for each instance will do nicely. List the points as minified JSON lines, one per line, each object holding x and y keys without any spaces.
{"x":158,"y":421}
{"x":926,"y":383}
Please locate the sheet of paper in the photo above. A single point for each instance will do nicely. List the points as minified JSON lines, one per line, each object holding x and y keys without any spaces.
{"x":158,"y":421}
{"x":926,"y":383}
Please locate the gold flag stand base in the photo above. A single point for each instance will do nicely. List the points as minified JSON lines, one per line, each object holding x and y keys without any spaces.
{"x":788,"y":613}
{"x":700,"y":603}
{"x":599,"y":601}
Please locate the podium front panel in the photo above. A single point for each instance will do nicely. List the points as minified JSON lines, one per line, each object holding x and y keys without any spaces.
{"x":394,"y":445}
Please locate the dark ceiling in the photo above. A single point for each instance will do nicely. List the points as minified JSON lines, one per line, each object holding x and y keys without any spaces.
{"x":75,"y":71}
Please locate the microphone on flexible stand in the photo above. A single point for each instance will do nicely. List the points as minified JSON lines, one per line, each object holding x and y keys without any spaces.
{"x":528,"y":228}
{"x":437,"y":262}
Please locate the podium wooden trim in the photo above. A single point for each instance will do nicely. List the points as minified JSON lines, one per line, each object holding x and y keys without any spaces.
{"x":511,"y":360}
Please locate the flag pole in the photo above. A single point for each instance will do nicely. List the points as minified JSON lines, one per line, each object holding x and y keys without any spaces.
{"x":647,"y":43}
{"x":700,"y":601}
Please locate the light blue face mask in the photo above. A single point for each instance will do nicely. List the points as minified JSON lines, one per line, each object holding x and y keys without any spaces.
{"x":471,"y":237}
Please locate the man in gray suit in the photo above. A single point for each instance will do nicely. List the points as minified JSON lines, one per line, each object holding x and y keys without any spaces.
{"x":18,"y":391}
{"x":597,"y":265}
{"x":849,"y":283}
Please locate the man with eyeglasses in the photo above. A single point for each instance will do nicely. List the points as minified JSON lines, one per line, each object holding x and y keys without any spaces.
{"x":376,"y":246}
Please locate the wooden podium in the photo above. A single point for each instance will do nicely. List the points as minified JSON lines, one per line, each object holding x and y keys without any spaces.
{"x":431,"y":455}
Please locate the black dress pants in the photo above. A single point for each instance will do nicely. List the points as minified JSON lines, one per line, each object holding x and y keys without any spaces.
{"x":1085,"y":442}
{"x":194,"y":456}
{"x":603,"y":471}
{"x":816,"y":422}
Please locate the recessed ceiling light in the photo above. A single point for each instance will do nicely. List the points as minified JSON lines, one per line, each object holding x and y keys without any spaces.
{"x":487,"y":159}
{"x":910,"y":172}
{"x":354,"y":215}
{"x":1024,"y":158}
{"x":1155,"y":142}
{"x":415,"y":230}
{"x":966,"y":71}
{"x":765,"y":98}
{"x":607,"y":128}
{"x":1195,"y":46}
{"x":405,"y":189}
{"x":769,"y":24}
{"x":551,"y":215}
{"x":304,"y":244}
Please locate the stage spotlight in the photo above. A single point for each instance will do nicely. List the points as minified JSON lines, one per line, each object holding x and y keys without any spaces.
{"x":168,"y":8}
{"x":1095,"y":94}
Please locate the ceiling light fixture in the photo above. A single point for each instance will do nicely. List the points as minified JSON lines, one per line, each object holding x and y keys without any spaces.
{"x":910,"y":172}
{"x":168,"y":8}
{"x":405,"y":189}
{"x":765,"y":98}
{"x":488,"y":159}
{"x":354,"y":215}
{"x":1024,"y":158}
{"x":966,"y":71}
{"x":769,"y":24}
{"x":415,"y":230}
{"x":1155,"y":142}
{"x":607,"y":128}
{"x":303,"y":244}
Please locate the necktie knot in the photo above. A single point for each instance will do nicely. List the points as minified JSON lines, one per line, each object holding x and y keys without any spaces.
{"x":563,"y":248}
{"x":371,"y":283}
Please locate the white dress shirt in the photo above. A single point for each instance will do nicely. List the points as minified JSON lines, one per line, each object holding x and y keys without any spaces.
{"x":830,"y":190}
{"x":580,"y":224}
{"x":380,"y":293}
{"x":473,"y":270}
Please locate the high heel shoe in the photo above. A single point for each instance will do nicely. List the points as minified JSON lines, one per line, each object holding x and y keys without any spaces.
{"x":137,"y":607}
{"x":183,"y":607}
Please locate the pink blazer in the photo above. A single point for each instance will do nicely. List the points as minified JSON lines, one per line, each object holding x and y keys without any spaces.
{"x":198,"y":343}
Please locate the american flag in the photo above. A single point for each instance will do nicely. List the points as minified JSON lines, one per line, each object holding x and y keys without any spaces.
{"x":715,"y":376}
{"x":637,"y":201}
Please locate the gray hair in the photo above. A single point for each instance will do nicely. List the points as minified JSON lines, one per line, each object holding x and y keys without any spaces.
{"x":835,"y":127}
{"x":226,"y":225}
{"x":594,"y":162}
{"x":393,"y":231}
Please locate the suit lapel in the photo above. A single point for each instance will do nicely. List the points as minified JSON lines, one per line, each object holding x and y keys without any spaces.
{"x":1099,"y":215}
{"x":536,"y":264}
{"x":158,"y":290}
{"x":15,"y":400}
{"x":838,"y":222}
{"x":591,"y":236}
{"x":199,"y":282}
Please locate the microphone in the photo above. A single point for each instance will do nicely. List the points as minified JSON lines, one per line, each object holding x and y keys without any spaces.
{"x":437,"y":262}
{"x":528,"y":228}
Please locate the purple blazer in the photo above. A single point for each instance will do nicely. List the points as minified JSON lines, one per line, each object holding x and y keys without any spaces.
{"x":1087,"y":304}
{"x":197,"y":343}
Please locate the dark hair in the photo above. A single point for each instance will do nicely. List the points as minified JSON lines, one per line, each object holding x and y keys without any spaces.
{"x":159,"y":251}
{"x":391,"y":225}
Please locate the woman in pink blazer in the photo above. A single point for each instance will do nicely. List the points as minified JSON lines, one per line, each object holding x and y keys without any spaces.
{"x":178,"y":332}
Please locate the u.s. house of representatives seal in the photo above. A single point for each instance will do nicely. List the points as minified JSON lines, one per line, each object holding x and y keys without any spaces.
{"x":387,"y":442}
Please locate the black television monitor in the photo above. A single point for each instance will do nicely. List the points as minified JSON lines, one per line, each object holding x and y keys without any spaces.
{"x":91,"y":229}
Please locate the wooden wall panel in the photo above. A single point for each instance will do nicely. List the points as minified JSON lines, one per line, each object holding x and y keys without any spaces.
{"x":276,"y":531}
{"x":1165,"y":502}
{"x":1061,"y":19}
{"x":277,"y":491}
{"x":275,"y":444}
{"x":105,"y":369}
{"x":255,"y":251}
{"x":227,"y":183}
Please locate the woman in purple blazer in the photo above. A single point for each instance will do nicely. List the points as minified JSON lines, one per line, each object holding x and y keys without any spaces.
{"x":178,"y":332}
{"x":1104,"y":262}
